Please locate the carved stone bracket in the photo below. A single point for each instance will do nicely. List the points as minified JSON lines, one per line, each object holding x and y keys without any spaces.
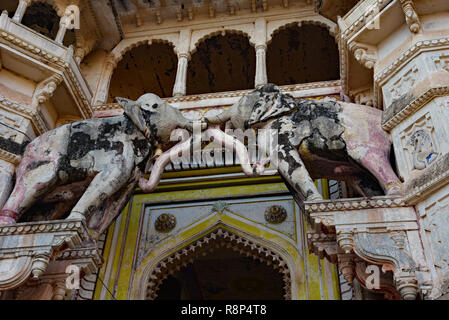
{"x":381,"y":249}
{"x":46,"y":88}
{"x":27,"y":249}
{"x":411,"y":17}
{"x":372,"y":278}
{"x":323,"y":245}
{"x":363,"y":53}
{"x":74,"y":263}
{"x":375,"y":231}
{"x":346,"y":264}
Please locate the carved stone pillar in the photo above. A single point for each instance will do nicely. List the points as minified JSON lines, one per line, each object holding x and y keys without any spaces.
{"x":261,"y":48}
{"x":180,"y":86}
{"x":21,"y":8}
{"x":70,"y":20}
{"x":106,"y":75}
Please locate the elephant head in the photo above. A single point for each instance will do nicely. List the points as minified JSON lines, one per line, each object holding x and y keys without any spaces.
{"x":256,"y":108}
{"x":155,"y":117}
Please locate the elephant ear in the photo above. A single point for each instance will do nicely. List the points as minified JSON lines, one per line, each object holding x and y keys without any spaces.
{"x":271,"y":105}
{"x":133,"y":111}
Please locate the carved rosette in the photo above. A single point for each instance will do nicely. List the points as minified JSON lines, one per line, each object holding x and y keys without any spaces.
{"x":275,"y":214}
{"x":165,"y":222}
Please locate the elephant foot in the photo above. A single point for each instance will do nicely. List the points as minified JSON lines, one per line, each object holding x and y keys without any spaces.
{"x":314,"y":197}
{"x":76,"y":216}
{"x":8,"y":217}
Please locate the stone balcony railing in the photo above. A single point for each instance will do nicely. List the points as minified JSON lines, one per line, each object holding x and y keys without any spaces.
{"x":43,"y":49}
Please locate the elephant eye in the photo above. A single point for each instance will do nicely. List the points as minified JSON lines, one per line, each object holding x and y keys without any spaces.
{"x":155,"y":106}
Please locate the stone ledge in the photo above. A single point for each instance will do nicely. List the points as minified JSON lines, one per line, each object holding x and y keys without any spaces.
{"x":27,"y":248}
{"x":361,"y":214}
{"x":408,"y":104}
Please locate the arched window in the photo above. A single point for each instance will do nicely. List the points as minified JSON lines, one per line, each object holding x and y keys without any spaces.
{"x":302,"y":54}
{"x":145,"y":69}
{"x":224,"y":62}
{"x":42,"y":18}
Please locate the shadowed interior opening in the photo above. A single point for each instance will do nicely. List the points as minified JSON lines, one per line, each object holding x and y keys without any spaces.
{"x":302,"y":54}
{"x":222,"y":63}
{"x":146,"y":68}
{"x":223,"y":274}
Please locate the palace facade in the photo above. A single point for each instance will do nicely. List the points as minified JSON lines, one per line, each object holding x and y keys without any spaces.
{"x":208,"y":231}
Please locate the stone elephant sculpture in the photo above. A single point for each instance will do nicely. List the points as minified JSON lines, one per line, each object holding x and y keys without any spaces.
{"x":91,"y":167}
{"x":316,"y":139}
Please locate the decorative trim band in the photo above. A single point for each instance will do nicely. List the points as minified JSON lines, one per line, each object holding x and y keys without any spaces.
{"x":414,"y":106}
{"x":25,"y":112}
{"x":44,"y":227}
{"x":408,"y":54}
{"x":10,"y":157}
{"x":231,"y":94}
{"x":353,"y":204}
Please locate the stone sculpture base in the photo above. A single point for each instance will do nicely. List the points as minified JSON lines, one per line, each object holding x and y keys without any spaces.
{"x":35,"y":256}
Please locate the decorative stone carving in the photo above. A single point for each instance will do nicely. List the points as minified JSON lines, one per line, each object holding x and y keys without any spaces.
{"x":111,"y":147}
{"x":364,"y":54}
{"x":418,"y":143}
{"x":346,"y":265}
{"x":404,"y":83}
{"x":383,"y":284}
{"x":165,"y":222}
{"x":381,"y":247}
{"x":423,"y":153}
{"x":219,"y":207}
{"x":27,"y":247}
{"x":434,"y":220}
{"x":323,"y":245}
{"x":51,"y":284}
{"x":364,"y":96}
{"x":275,"y":214}
{"x":411,"y":17}
{"x":442,"y":62}
{"x":46,"y":88}
{"x":345,"y":240}
{"x":296,"y":122}
{"x":399,"y":238}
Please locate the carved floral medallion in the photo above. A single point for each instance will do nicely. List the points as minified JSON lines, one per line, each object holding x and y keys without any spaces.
{"x":275,"y":214}
{"x":165,"y":222}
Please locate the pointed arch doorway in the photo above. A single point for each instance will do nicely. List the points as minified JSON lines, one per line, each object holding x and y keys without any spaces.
{"x":221,"y":266}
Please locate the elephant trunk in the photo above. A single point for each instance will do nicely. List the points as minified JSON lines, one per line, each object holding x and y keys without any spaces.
{"x":231,"y":142}
{"x":160,"y":164}
{"x":222,"y":117}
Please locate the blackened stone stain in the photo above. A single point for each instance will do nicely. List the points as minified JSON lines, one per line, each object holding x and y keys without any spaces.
{"x":12,"y":146}
{"x":36,"y":164}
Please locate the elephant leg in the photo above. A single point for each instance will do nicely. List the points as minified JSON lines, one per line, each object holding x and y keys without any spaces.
{"x":378,"y":163}
{"x":101,"y":188}
{"x":291,"y":167}
{"x":30,"y":186}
